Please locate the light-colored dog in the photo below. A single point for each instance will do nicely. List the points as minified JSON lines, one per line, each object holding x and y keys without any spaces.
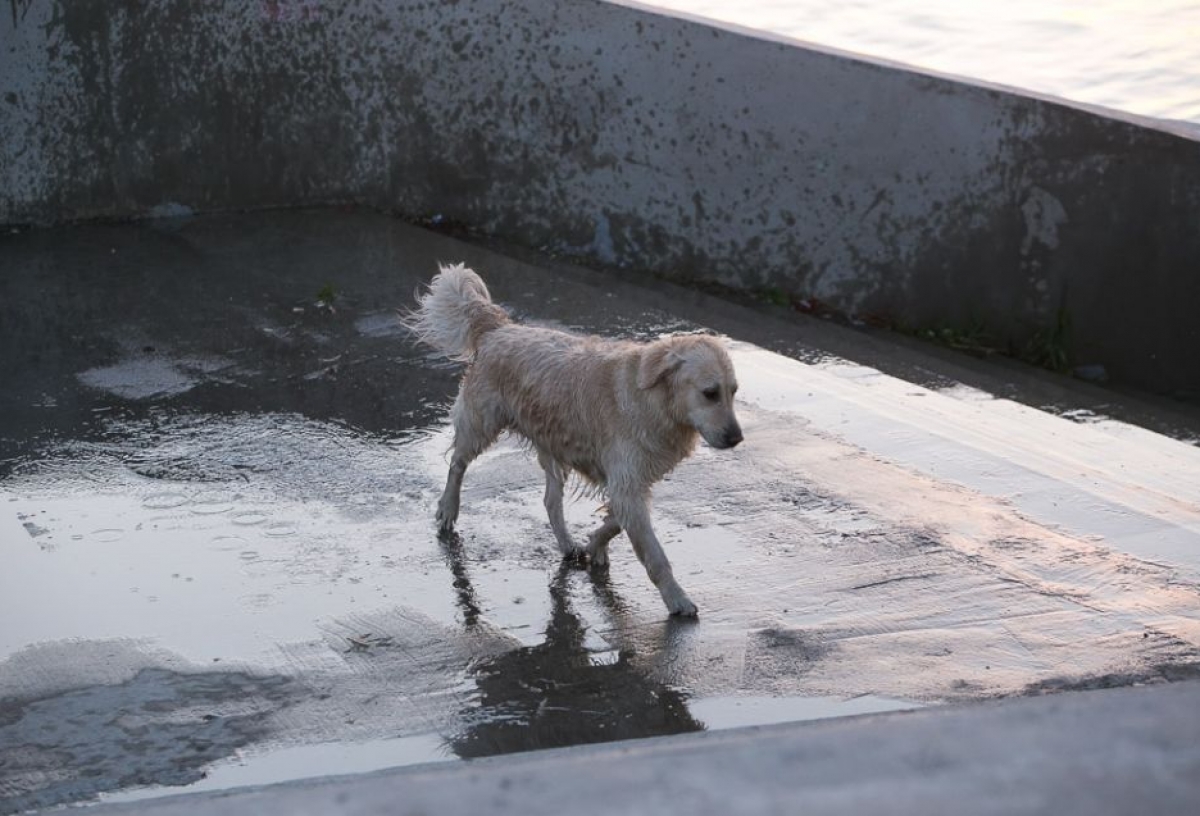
{"x":620,"y":414}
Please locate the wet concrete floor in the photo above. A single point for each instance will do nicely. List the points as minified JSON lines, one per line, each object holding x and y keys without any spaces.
{"x":220,"y":567}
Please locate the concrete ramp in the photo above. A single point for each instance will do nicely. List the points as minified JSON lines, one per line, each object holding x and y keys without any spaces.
{"x":217,"y":481}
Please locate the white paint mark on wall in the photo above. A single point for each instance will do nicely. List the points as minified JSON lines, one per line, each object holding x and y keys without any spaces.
{"x":1043,"y":215}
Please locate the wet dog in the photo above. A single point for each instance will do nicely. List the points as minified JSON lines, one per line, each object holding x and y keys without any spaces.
{"x":619,"y":414}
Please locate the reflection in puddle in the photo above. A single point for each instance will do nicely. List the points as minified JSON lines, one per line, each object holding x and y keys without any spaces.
{"x":559,"y":692}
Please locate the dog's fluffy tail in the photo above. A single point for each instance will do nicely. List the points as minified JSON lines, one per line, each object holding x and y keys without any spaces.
{"x":454,"y":313}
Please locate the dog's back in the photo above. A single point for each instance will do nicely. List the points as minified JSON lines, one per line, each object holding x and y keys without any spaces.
{"x":560,"y":391}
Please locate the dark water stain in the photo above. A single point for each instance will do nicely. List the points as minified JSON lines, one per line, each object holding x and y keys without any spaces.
{"x":1165,"y":673}
{"x":160,"y":727}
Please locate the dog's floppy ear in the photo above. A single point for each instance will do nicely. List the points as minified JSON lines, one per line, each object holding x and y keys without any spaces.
{"x":658,"y":361}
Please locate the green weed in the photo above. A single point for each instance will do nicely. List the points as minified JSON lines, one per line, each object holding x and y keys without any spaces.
{"x":1050,"y":346}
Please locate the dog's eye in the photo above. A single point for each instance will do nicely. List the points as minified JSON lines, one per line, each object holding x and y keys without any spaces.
{"x":711,"y":394}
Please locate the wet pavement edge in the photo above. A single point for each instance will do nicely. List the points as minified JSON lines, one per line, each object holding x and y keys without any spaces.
{"x":1129,"y":750}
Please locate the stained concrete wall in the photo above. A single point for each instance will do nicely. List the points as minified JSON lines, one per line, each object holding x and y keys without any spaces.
{"x":624,"y":136}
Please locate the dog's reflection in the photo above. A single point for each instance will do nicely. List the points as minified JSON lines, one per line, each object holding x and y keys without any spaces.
{"x":559,"y":693}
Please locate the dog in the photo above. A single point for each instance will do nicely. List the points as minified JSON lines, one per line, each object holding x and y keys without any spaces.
{"x":621,"y":415}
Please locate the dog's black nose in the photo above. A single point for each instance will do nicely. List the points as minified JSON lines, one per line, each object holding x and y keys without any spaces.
{"x":733,"y":436}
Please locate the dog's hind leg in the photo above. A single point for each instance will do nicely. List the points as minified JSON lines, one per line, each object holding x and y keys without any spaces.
{"x":474,"y":432}
{"x":555,"y":478}
{"x":633,"y":514}
{"x":597,"y":546}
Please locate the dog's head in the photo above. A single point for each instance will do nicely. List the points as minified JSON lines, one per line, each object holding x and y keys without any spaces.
{"x":700,"y":383}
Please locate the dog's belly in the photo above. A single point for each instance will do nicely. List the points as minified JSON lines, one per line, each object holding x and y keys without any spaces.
{"x":567,"y":452}
{"x":589,"y":471}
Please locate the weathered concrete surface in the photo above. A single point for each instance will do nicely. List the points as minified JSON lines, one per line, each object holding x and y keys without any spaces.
{"x":622,"y":135}
{"x":1104,"y":753}
{"x":220,"y":567}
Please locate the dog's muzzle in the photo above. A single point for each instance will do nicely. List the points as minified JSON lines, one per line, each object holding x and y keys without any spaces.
{"x":731,"y":437}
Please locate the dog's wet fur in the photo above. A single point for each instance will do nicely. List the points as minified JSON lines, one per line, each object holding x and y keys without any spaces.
{"x":619,"y":414}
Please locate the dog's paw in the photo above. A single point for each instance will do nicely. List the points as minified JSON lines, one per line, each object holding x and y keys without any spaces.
{"x":445,"y":524}
{"x":683,"y":607}
{"x":597,"y":557}
{"x":597,"y":550}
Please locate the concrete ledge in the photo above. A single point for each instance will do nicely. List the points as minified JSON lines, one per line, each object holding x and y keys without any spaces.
{"x":621,"y":135}
{"x":1118,"y":751}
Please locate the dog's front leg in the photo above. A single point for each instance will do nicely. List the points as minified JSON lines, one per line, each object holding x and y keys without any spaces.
{"x":633,"y":514}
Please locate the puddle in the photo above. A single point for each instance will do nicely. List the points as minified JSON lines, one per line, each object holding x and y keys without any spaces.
{"x":164,"y":501}
{"x":384,"y":324}
{"x":305,"y":761}
{"x":139,"y":379}
{"x":212,"y":503}
{"x":735,"y":712}
{"x":107,"y":536}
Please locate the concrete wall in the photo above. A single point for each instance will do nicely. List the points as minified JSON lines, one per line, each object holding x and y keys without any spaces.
{"x":628,"y":137}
